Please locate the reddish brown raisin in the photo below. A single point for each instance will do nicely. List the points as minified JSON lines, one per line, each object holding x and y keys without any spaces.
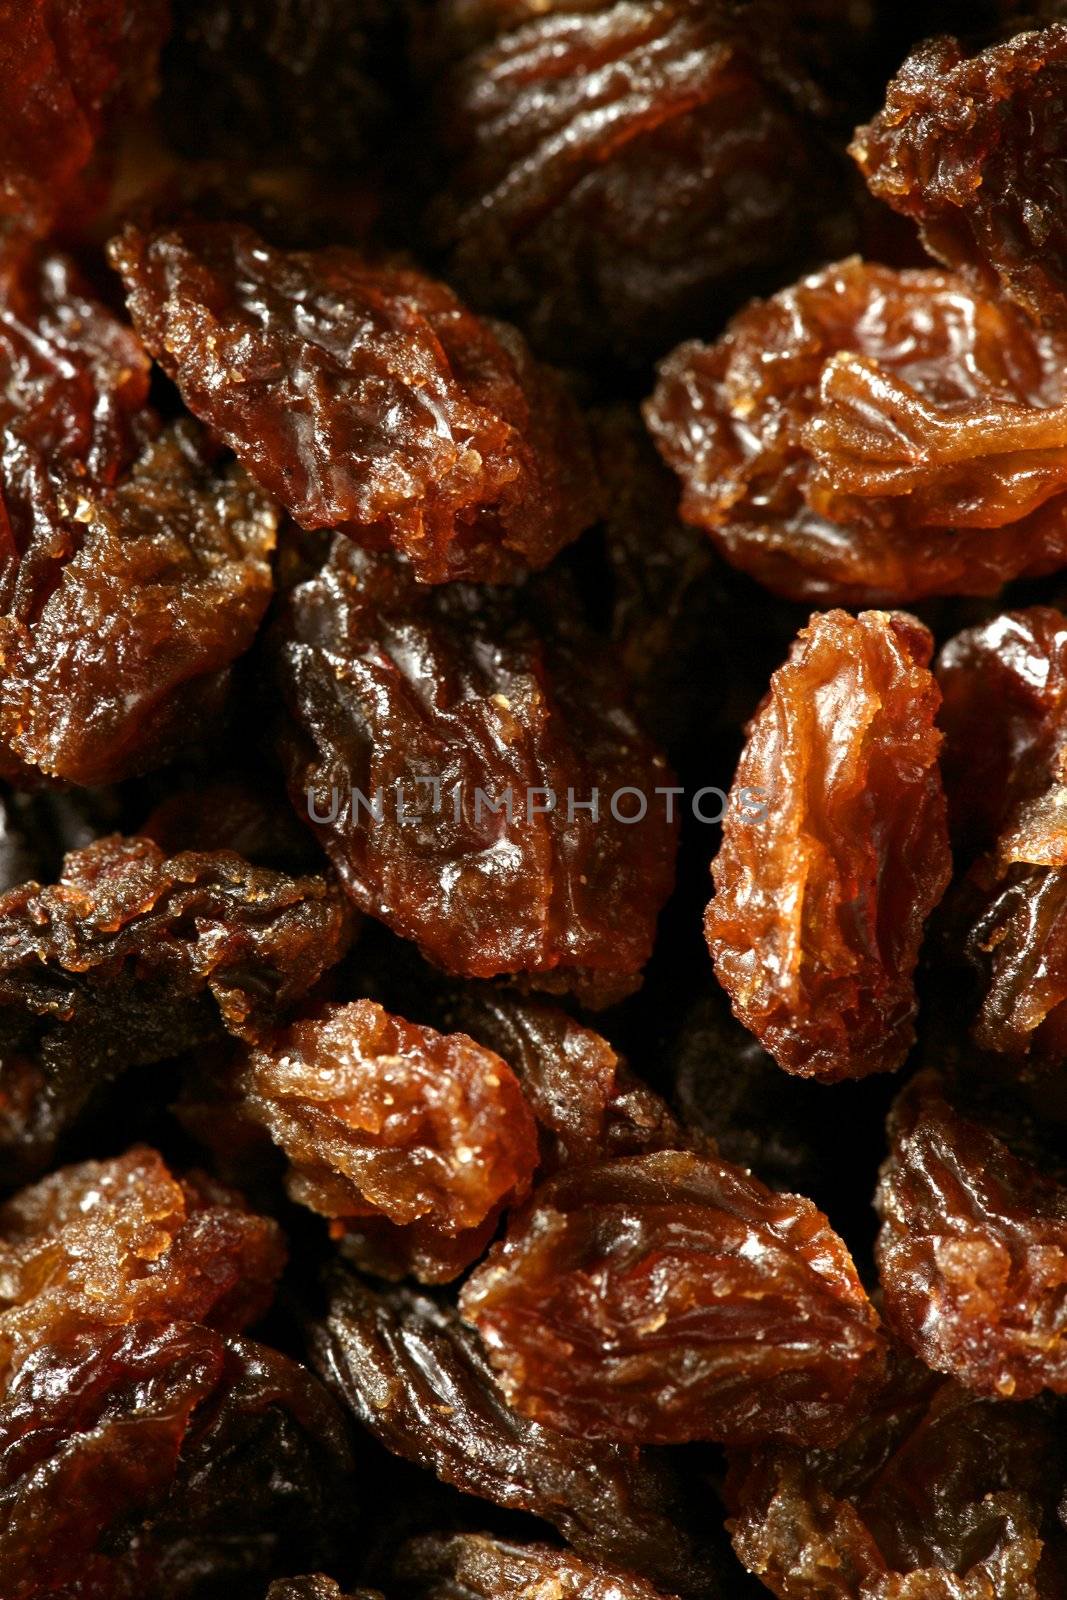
{"x":479,"y":786}
{"x":973,"y":1250}
{"x":671,"y":1297}
{"x":113,"y":1242}
{"x":132,"y":958}
{"x":936,"y":1494}
{"x":316,"y":1587}
{"x":67,"y":66}
{"x":873,"y":435}
{"x":419,"y":1380}
{"x":611,"y":167}
{"x":366,"y":398}
{"x":475,"y":1567}
{"x":969,"y":148}
{"x":381,"y":1118}
{"x":821,"y":897}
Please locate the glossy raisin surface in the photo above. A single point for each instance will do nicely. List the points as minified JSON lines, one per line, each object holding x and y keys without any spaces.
{"x":872,"y":435}
{"x":671,"y":1297}
{"x":366,"y":397}
{"x":381,"y":1118}
{"x":475,"y":1567}
{"x":450,"y":770}
{"x":820,"y":902}
{"x":968,"y":147}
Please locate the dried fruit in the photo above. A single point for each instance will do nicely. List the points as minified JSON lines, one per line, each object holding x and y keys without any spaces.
{"x":163,"y":1458}
{"x":451,"y":760}
{"x":671,"y":1297}
{"x":68,"y":66}
{"x":381,"y":1118}
{"x":132,"y":958}
{"x":365,"y":397}
{"x":969,"y":148}
{"x":973,"y":1250}
{"x":873,"y":435}
{"x":316,"y":1587}
{"x":475,"y":1567}
{"x":611,"y":167}
{"x":935,"y":1493}
{"x":419,"y":1380}
{"x":106,"y":1243}
{"x":820,"y":902}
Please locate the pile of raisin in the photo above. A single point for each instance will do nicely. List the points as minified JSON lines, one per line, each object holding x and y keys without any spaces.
{"x":531,"y":1059}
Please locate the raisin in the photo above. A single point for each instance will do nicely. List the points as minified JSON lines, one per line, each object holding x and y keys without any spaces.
{"x":271,"y":80}
{"x":1015,"y":916}
{"x":936,"y":1494}
{"x":419,"y":1380}
{"x":132,"y":958}
{"x":973,"y":1250}
{"x":820,"y":901}
{"x":476,"y":1567}
{"x":1004,"y":713}
{"x":872,"y":435}
{"x":316,"y":1586}
{"x":451,"y":758}
{"x":968,"y":146}
{"x":158,"y":1458}
{"x":609,"y":168}
{"x":381,"y":1118}
{"x":117,"y":649}
{"x":434,"y":433}
{"x":68,"y":66}
{"x":231,"y":815}
{"x":670,"y":1297}
{"x":113,"y":1242}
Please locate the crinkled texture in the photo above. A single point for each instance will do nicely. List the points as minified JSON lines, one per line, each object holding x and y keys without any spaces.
{"x":417,"y":720}
{"x":970,"y":148}
{"x":117,"y":650}
{"x":132,"y":958}
{"x":419,"y":1380}
{"x":821,"y":900}
{"x":470,"y":1566}
{"x":268,"y":81}
{"x":107,"y":1243}
{"x":382,"y":1118}
{"x":972,"y":1254}
{"x":1004,"y":714}
{"x":672,"y":1297}
{"x":316,"y":1586}
{"x":366,"y":397}
{"x":873,"y":435}
{"x":610,"y":168}
{"x":1014,"y":918}
{"x":150,"y":1458}
{"x":936,"y":1494}
{"x":67,"y":66}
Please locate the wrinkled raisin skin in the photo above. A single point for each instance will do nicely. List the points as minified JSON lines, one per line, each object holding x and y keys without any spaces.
{"x":820,"y":903}
{"x":476,"y":1567}
{"x":672,"y":1297}
{"x":871,"y":436}
{"x":366,"y":398}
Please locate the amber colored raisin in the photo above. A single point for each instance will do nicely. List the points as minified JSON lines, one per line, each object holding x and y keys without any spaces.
{"x":316,"y":1586}
{"x":381,"y":1118}
{"x":132,"y":958}
{"x":119,"y":1241}
{"x":610,"y":168}
{"x":161,"y":1458}
{"x":451,"y":760}
{"x":469,"y":1566}
{"x":669,"y":1297}
{"x":1004,"y":713}
{"x":119,"y":648}
{"x":419,"y":1380}
{"x":821,"y":895}
{"x":973,"y":1250}
{"x":936,"y":1494}
{"x":365,"y":397}
{"x":873,"y":435}
{"x":969,"y":147}
{"x":274,"y":80}
{"x":1016,"y":941}
{"x":67,"y":66}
